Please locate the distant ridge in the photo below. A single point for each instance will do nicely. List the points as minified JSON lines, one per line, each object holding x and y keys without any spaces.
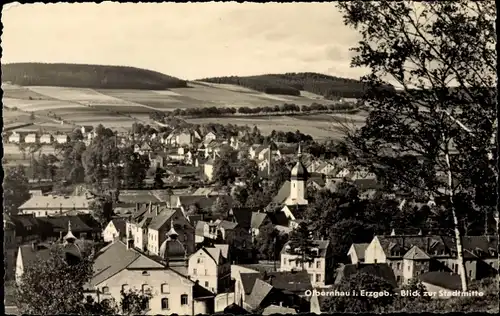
{"x":87,"y":76}
{"x":329,"y":87}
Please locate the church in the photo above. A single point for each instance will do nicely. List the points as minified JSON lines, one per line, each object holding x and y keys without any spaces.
{"x":292,"y":196}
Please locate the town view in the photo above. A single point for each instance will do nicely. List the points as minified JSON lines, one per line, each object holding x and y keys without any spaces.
{"x":250,"y":158}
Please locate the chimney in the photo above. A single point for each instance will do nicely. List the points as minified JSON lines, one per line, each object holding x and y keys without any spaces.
{"x":420,"y":232}
{"x":150,"y":207}
{"x":137,"y":207}
{"x":393,"y":232}
{"x":281,"y":304}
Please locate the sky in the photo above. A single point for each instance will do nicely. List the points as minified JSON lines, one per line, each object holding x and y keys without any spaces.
{"x":189,"y":41}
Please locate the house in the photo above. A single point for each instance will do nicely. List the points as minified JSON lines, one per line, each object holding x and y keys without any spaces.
{"x":181,"y":137}
{"x":62,"y":139}
{"x":116,"y":229}
{"x":208,"y":169}
{"x":285,"y":289}
{"x":234,"y":142}
{"x":142,"y":149}
{"x":210,"y":136}
{"x":31,"y":138}
{"x":83,"y":226}
{"x":211,"y":267}
{"x":54,"y":205}
{"x":15,"y":138}
{"x":165,"y":220}
{"x":254,"y":151}
{"x":320,"y":268}
{"x":72,"y":247}
{"x":357,"y":253}
{"x":381,"y":270}
{"x":46,"y":139}
{"x":413,"y":255}
{"x":173,"y":293}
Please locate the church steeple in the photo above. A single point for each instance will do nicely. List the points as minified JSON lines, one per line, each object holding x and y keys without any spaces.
{"x":298,"y":181}
{"x":172,"y":234}
{"x":69,"y":238}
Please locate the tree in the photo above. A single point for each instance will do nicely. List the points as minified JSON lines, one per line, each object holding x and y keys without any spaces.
{"x":53,"y":286}
{"x":159,"y":174}
{"x":134,"y":302}
{"x":220,"y":208}
{"x":359,"y":303}
{"x":102,"y":210}
{"x":270,"y":242}
{"x":301,"y":243}
{"x":56,"y":286}
{"x":15,"y":189}
{"x":443,"y":56}
{"x":223,"y":172}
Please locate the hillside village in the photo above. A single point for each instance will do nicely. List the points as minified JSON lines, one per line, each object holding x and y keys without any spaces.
{"x":194,"y":237}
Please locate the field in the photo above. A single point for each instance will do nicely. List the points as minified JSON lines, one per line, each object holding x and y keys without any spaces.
{"x":321,"y":127}
{"x":119,"y":109}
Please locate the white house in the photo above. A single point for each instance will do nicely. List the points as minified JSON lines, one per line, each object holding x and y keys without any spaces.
{"x":53,"y":205}
{"x":210,"y":266}
{"x":357,"y":253}
{"x":31,"y":139}
{"x":46,"y":139}
{"x":114,"y":230}
{"x":62,"y":139}
{"x":210,"y":136}
{"x":320,"y":267}
{"x":15,"y":138}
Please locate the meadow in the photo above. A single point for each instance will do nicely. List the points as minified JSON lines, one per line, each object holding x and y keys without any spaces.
{"x":119,"y":109}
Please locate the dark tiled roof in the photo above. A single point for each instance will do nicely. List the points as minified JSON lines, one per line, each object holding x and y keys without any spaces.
{"x":111,"y":260}
{"x":295,"y":282}
{"x":278,"y":218}
{"x":297,"y":211}
{"x":381,"y":270}
{"x":29,"y":255}
{"x":259,"y":292}
{"x":199,"y":292}
{"x":60,"y":224}
{"x":163,"y":217}
{"x":243,"y":216}
{"x":120,"y":225}
{"x":445,"y":280}
{"x":248,"y":281}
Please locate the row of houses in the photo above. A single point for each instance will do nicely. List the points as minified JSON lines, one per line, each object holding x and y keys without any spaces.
{"x":88,"y":133}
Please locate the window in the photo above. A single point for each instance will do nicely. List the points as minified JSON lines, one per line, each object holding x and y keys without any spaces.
{"x":105,"y":289}
{"x":318,"y":277}
{"x":310,"y":264}
{"x":398,"y":278}
{"x":318,"y":264}
{"x":399,"y":265}
{"x":194,"y":271}
{"x":184,"y":299}
{"x":408,"y":267}
{"x":375,"y":261}
{"x":206,"y":283}
{"x":164,"y":303}
{"x":125,"y":287}
{"x":165,"y":288}
{"x":470,"y":273}
{"x":206,"y":272}
{"x":145,"y":288}
{"x":200,"y":260}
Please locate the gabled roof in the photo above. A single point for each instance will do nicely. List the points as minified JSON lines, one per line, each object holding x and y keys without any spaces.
{"x":214,"y":253}
{"x":415,"y":253}
{"x":226,"y":224}
{"x":359,"y":249}
{"x":297,"y":211}
{"x":200,"y":228}
{"x":163,"y":217}
{"x":111,"y":260}
{"x":259,"y":292}
{"x":224,"y":249}
{"x":447,"y":280}
{"x":60,"y":224}
{"x":321,"y":245}
{"x":283,"y":193}
{"x":248,"y":281}
{"x":56,"y":202}
{"x":278,"y":218}
{"x":243,"y":216}
{"x":292,"y":281}
{"x":257,"y":219}
{"x":381,"y":270}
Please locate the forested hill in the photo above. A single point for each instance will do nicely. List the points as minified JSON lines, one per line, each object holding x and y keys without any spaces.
{"x":291,"y":83}
{"x":87,"y":76}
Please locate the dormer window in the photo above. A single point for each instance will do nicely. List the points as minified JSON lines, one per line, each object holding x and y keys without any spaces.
{"x":105,"y":290}
{"x":145,"y":273}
